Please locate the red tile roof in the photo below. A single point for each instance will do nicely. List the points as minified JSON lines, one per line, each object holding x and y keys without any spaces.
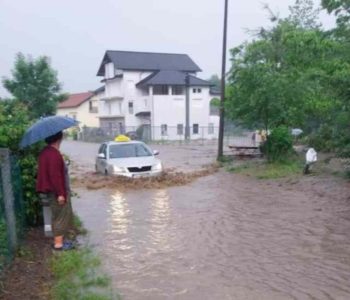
{"x":75,"y":100}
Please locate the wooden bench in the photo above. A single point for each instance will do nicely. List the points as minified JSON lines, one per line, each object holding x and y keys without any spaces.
{"x":245,"y":150}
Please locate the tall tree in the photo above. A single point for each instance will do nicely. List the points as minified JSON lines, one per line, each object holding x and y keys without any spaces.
{"x":304,"y":14}
{"x":282,"y":78}
{"x":340,"y":8}
{"x":34,"y":83}
{"x":216,"y":81}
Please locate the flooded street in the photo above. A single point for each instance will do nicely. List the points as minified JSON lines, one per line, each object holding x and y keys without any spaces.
{"x":224,"y":236}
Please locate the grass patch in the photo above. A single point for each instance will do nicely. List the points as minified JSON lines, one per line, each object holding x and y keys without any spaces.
{"x":77,"y":277}
{"x":265,"y":170}
{"x":224,"y":159}
{"x":78,"y":225}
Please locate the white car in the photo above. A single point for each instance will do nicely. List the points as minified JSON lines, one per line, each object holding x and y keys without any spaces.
{"x":131,"y":159}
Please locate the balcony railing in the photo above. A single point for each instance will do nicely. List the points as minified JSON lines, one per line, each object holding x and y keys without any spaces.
{"x":113,"y":98}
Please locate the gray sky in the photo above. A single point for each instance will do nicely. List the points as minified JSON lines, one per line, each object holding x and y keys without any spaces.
{"x":76,"y":33}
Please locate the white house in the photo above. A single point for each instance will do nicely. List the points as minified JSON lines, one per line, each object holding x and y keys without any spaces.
{"x":82,"y":107}
{"x":147,"y":92}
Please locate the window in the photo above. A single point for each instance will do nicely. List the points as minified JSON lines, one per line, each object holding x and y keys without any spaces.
{"x":160,"y":90}
{"x":92,"y":109}
{"x":211,"y":128}
{"x":177,"y":90}
{"x":199,"y":91}
{"x":128,"y":150}
{"x":103,"y":149}
{"x":164,"y":129}
{"x":195,"y":128}
{"x":180,"y":129}
{"x":100,"y":150}
{"x":214,"y":107}
{"x":121,"y":128}
{"x":131,"y":107}
{"x":194,"y":91}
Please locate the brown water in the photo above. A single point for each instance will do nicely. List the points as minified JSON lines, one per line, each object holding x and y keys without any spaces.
{"x":224,"y":237}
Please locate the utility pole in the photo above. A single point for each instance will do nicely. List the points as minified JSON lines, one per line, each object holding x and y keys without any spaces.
{"x":222,"y":98}
{"x":187,"y":127}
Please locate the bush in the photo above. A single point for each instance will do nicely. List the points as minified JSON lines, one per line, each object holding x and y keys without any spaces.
{"x":279,"y":145}
{"x":13,"y":123}
{"x":323,"y":139}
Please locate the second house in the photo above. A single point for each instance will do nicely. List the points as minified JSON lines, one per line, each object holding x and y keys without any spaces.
{"x":146,"y":93}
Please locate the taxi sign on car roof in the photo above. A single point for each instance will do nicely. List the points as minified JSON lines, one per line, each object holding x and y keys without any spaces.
{"x":122,"y":138}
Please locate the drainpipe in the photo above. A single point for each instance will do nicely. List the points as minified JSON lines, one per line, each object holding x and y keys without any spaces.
{"x":187,"y":128}
{"x":152,"y":112}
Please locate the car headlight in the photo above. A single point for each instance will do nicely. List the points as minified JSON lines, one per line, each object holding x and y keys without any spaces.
{"x":157,"y":167}
{"x":117,"y":169}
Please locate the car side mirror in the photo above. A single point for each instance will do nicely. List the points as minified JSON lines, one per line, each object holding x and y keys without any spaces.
{"x":155,"y":152}
{"x":101,"y":155}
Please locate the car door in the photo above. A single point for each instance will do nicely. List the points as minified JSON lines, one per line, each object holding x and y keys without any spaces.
{"x":101,"y":163}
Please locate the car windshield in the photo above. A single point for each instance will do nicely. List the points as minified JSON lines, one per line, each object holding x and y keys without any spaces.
{"x":128,"y":150}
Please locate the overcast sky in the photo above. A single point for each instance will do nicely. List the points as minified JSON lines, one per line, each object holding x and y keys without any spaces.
{"x":76,"y":33}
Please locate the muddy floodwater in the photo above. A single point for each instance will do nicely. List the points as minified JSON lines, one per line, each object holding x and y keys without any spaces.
{"x":224,"y":236}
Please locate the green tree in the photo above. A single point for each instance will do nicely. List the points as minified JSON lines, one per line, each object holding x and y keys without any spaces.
{"x":280,"y":78}
{"x":296,"y":75}
{"x":216,"y":81}
{"x":303,"y":14}
{"x":35,"y":84}
{"x":339,"y":80}
{"x":14,"y":120}
{"x":340,"y":8}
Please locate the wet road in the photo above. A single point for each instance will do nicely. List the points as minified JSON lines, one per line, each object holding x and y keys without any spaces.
{"x":222,"y":237}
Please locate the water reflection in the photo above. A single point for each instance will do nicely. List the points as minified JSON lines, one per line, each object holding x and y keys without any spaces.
{"x":224,"y":238}
{"x":160,"y":214}
{"x":120,"y":214}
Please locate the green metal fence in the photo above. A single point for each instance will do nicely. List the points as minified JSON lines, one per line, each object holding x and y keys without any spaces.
{"x":12,"y":220}
{"x":4,"y":242}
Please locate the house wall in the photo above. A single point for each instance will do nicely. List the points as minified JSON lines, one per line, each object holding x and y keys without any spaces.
{"x":170,"y":110}
{"x":165,"y":109}
{"x":82,"y":114}
{"x":125,"y":90}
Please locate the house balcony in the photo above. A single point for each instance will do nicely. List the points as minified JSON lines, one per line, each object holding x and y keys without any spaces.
{"x":113,"y":98}
{"x":143,"y":106}
{"x":111,"y":116}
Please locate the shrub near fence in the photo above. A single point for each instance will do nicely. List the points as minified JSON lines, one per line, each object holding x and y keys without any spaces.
{"x":11,"y":207}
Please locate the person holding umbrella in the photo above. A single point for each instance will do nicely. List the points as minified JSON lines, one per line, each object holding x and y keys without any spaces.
{"x":52,"y":177}
{"x":53,"y":187}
